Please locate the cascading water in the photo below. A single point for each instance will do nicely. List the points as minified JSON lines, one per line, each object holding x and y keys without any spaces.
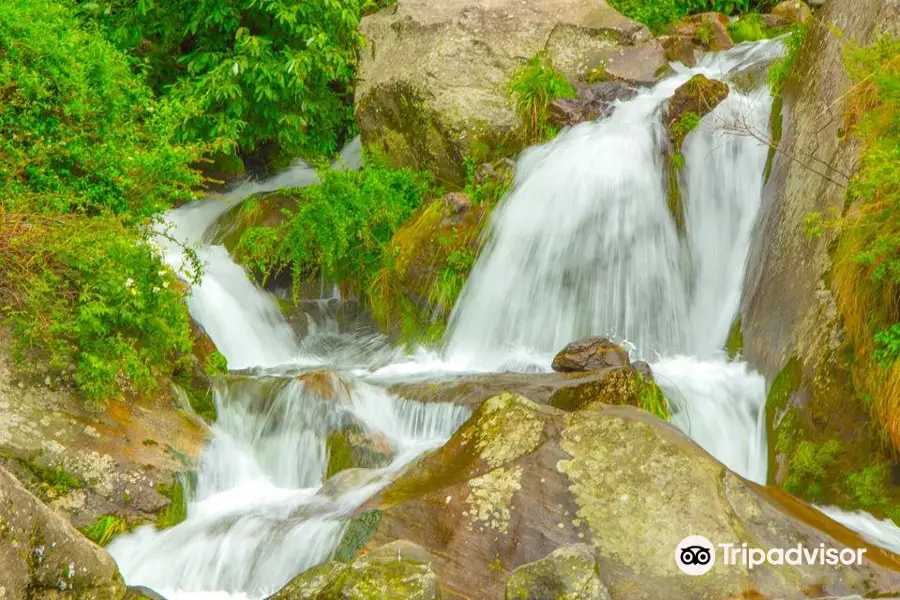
{"x":584,"y":245}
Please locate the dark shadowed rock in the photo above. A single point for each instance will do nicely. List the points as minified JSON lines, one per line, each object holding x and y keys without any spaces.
{"x":590,"y":354}
{"x":591,"y":103}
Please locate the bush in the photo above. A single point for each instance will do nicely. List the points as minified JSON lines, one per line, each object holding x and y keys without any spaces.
{"x":340,"y":228}
{"x":95,"y":302}
{"x":276,"y":73}
{"x":78,"y":131}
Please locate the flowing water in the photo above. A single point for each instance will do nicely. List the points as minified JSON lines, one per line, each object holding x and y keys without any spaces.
{"x":585,"y":244}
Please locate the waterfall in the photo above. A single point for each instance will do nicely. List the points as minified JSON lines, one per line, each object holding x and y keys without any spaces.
{"x":585,"y":244}
{"x":259,"y":511}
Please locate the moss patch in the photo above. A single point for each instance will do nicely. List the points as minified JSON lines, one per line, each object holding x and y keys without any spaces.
{"x":734,"y":345}
{"x":176,"y":511}
{"x":359,"y":531}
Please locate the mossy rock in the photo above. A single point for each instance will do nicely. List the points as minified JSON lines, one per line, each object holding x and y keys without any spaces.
{"x":395,"y":571}
{"x":692,"y":101}
{"x":707,"y":30}
{"x":569,"y":573}
{"x":432,"y":255}
{"x":520,"y":471}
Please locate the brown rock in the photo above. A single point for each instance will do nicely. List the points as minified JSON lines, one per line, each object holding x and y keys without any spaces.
{"x":519,"y":481}
{"x":457,"y":202}
{"x":794,"y":11}
{"x":592,"y":102}
{"x":707,"y":30}
{"x":590,"y":354}
{"x":679,"y":48}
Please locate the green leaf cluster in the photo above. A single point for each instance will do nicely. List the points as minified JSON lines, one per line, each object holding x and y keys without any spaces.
{"x":656,"y":14}
{"x":340,"y":228}
{"x":274,"y":74}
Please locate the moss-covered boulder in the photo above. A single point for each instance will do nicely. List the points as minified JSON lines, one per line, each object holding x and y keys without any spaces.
{"x":395,"y":571}
{"x":569,"y":573}
{"x":432,"y":255}
{"x":520,"y":480}
{"x":433,"y":76}
{"x":42,"y":557}
{"x":87,"y":464}
{"x":691,"y":102}
{"x":708,"y":31}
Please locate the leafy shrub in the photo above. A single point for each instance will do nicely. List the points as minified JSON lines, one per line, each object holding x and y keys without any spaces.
{"x":95,"y":299}
{"x":78,"y":131}
{"x":340,"y":228}
{"x":532,"y":87}
{"x":262,"y":73}
{"x":752,"y":28}
{"x":809,"y":467}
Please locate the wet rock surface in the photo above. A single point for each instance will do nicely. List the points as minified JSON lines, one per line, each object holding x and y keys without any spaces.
{"x":590,"y":354}
{"x":592,"y":102}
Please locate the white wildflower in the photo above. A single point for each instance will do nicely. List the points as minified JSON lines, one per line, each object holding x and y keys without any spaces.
{"x":129,"y":283}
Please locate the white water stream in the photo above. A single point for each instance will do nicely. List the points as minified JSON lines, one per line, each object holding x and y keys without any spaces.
{"x":583,"y":245}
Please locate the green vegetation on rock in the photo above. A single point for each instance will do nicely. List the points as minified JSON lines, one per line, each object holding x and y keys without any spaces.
{"x":105,"y":528}
{"x":532,"y":87}
{"x":340,"y":228}
{"x":359,"y":531}
{"x":656,"y":14}
{"x":176,"y":511}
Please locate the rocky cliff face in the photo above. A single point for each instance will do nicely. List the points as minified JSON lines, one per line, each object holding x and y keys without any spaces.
{"x":792,"y":328}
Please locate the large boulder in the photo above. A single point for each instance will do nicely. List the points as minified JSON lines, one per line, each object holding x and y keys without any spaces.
{"x":519,"y":481}
{"x":692,"y":101}
{"x":433,"y":77}
{"x":42,"y":557}
{"x":708,"y":31}
{"x":395,"y":571}
{"x":569,"y":573}
{"x":793,"y":11}
{"x":793,"y":320}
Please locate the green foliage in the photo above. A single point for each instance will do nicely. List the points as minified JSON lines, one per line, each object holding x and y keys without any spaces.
{"x":868,"y":485}
{"x":656,"y":14}
{"x":684,"y":125}
{"x":97,"y":300}
{"x":340,"y":228}
{"x":652,"y":399}
{"x":176,"y":511}
{"x":782,"y":68}
{"x":275,"y":73}
{"x":217,"y":364}
{"x":810,"y":464}
{"x":751,"y":28}
{"x":451,"y":280}
{"x":734,"y":345}
{"x":532,"y":87}
{"x":57,"y":480}
{"x":78,"y":131}
{"x":105,"y":528}
{"x":487,"y":183}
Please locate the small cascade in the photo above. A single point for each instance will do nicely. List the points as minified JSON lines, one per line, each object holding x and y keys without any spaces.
{"x":585,"y":244}
{"x":260,"y":514}
{"x":883,"y":533}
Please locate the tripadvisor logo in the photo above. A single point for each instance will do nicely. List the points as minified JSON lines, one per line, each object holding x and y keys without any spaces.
{"x":696,"y":555}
